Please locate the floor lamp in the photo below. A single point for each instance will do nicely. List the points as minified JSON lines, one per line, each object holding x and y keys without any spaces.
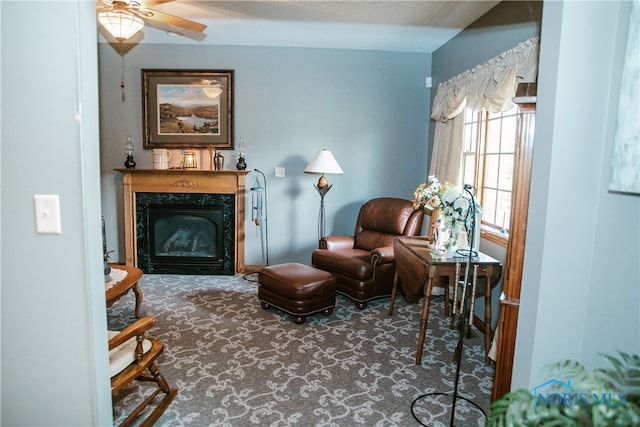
{"x":323,"y":163}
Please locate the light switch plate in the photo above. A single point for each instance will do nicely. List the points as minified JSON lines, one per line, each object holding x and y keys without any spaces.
{"x":47,"y":209}
{"x":280,"y":172}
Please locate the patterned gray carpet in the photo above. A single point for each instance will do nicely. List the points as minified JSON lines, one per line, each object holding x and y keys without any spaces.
{"x":236,"y":364}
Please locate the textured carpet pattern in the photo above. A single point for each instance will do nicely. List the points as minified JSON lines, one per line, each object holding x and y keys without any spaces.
{"x":236,"y":364}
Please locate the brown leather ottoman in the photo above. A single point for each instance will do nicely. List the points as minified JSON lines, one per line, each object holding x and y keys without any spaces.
{"x":297,"y":289}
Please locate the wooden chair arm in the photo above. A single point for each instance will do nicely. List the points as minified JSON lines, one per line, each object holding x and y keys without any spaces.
{"x":136,"y":328}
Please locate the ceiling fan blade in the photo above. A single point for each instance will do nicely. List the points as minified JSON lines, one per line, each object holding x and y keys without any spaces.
{"x":150,"y":4}
{"x":194,"y":35}
{"x":175,"y":21}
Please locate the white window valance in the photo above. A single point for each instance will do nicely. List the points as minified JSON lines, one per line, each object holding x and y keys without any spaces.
{"x":490,"y":85}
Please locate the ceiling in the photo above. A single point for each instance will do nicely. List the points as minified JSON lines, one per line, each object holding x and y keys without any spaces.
{"x":407,"y":26}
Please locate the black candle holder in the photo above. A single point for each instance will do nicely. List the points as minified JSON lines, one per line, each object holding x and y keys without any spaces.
{"x":130,"y":163}
{"x":241,"y":165}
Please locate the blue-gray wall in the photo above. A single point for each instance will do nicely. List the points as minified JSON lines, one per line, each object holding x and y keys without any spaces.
{"x":370,"y":108}
{"x":55,"y":367}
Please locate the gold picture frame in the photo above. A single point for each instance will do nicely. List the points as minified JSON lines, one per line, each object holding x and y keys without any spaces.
{"x":187,"y":109}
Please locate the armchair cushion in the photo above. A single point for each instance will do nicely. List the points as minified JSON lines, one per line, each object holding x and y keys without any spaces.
{"x":380,"y":220}
{"x":371,"y":239}
{"x":355,"y":263}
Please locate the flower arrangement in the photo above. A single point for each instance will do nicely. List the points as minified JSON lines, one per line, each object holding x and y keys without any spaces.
{"x":452,"y":204}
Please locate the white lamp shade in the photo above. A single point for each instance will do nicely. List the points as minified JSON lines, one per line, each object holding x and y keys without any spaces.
{"x":120,"y":24}
{"x":322,"y":163}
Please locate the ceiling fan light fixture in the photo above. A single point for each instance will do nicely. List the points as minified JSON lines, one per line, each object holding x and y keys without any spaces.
{"x":120,"y":24}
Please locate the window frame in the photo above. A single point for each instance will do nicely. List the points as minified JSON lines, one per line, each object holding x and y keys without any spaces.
{"x":475,"y":146}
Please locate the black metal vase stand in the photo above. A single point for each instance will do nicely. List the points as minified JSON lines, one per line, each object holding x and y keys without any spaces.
{"x":462,"y":327}
{"x":457,"y":359}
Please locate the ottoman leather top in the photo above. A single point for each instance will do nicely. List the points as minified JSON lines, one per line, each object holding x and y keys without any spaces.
{"x":294,"y":279}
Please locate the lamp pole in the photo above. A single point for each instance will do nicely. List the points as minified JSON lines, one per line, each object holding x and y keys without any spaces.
{"x":321,"y":221}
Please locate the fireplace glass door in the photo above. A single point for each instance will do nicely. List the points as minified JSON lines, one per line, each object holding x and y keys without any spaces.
{"x":185,"y":237}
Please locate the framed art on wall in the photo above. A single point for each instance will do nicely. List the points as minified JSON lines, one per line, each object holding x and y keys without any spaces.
{"x":187,"y":108}
{"x":625,"y":162}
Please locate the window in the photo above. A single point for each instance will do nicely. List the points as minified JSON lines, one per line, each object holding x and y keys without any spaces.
{"x":487,"y":164}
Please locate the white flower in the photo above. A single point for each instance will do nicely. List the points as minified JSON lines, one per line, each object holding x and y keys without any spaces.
{"x":450,"y":195}
{"x":461,"y":204}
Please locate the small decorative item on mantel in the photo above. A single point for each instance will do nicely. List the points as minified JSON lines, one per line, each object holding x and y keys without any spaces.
{"x":128,"y":150}
{"x":189,"y":160}
{"x":241,"y":165}
{"x":218,"y":161}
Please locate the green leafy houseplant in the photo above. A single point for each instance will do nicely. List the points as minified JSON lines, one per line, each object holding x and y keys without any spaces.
{"x":602,"y":397}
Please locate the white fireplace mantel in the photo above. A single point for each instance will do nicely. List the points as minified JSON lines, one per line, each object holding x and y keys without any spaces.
{"x":182,"y":181}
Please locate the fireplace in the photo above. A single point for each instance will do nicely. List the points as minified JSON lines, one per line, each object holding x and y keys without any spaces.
{"x":182,"y":233}
{"x":184,"y":221}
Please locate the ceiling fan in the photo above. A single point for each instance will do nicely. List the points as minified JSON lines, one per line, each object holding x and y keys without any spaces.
{"x":120,"y":20}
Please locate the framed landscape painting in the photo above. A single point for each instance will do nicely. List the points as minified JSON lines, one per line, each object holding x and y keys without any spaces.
{"x":187,"y":108}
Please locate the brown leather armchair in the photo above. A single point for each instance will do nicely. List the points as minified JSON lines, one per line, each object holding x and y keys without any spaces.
{"x":364,"y":264}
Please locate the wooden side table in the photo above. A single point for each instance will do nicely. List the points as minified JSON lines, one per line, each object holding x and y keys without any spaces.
{"x":130,"y":281}
{"x":413,"y":254}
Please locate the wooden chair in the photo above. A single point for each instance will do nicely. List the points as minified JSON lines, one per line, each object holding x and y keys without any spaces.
{"x":131,"y":354}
